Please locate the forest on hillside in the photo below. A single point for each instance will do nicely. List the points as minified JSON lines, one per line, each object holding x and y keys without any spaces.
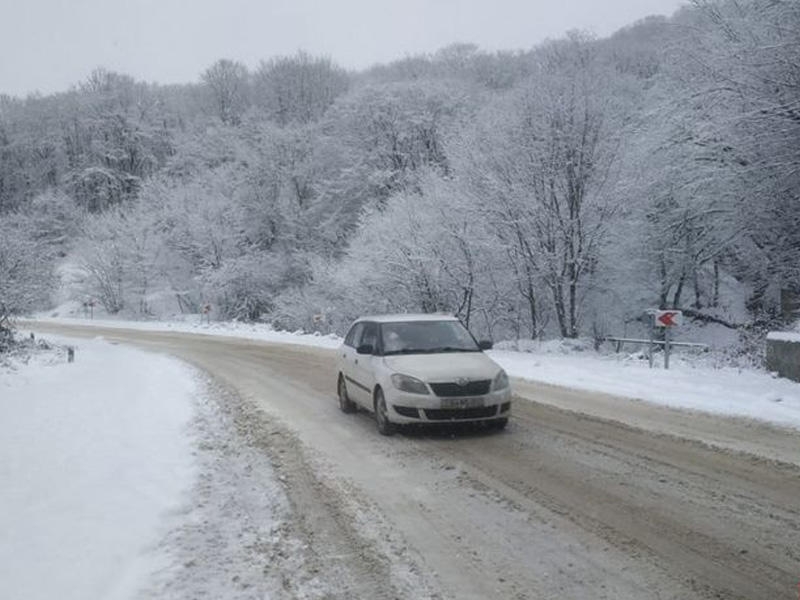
{"x":556,"y":191}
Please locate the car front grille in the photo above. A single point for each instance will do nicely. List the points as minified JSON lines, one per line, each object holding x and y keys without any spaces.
{"x":457,"y":414}
{"x":471,"y":388}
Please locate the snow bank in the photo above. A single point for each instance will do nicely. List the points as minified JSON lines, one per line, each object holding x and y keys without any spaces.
{"x":253,"y":331}
{"x":92,"y":455}
{"x":725,"y":391}
{"x":784,"y":336}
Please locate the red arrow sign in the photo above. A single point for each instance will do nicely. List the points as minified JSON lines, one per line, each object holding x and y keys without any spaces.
{"x":668,"y":318}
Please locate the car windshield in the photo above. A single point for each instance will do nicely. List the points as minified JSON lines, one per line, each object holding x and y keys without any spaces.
{"x":426,"y":337}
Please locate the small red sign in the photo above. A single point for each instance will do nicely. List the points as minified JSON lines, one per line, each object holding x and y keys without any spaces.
{"x":668,"y":318}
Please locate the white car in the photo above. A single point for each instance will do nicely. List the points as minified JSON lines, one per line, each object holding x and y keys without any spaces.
{"x":420,"y":369}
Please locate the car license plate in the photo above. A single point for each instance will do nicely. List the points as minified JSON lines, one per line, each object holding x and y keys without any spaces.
{"x":462,"y":402}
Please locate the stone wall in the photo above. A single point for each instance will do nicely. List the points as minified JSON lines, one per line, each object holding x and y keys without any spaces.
{"x":783,"y":354}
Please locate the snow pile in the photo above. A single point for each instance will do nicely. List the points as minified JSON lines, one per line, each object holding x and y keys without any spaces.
{"x":784,"y":336}
{"x":22,"y":350}
{"x":92,"y":455}
{"x":196,"y":324}
{"x":689,"y":383}
{"x":556,"y":346}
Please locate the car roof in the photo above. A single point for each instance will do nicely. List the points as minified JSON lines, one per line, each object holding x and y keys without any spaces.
{"x":406,"y":318}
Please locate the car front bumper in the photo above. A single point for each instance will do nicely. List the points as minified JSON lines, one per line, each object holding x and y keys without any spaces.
{"x":414,"y":408}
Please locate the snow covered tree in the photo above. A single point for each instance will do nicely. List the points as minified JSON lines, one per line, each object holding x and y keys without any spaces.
{"x":227,"y":81}
{"x":750,"y":60}
{"x":720,"y":156}
{"x":530,"y":192}
{"x":26,"y":270}
{"x":397,"y":131}
{"x":298,"y":89}
{"x":545,"y":158}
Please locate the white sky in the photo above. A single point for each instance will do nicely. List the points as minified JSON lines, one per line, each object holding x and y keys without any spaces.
{"x":48,"y":45}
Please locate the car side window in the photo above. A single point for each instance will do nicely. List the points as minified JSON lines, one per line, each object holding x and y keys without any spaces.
{"x":369,"y":335}
{"x":353,"y":335}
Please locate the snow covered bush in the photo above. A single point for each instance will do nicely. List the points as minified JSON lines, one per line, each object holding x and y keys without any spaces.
{"x":26,"y":275}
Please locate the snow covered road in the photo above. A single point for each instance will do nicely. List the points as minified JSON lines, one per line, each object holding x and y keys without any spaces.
{"x":585,"y":496}
{"x":695,"y":382}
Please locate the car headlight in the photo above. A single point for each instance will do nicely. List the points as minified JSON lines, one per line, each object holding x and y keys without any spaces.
{"x":500,"y":381}
{"x":406,"y":383}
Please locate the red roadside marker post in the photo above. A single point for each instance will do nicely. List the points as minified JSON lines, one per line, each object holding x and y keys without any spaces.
{"x":667,"y":319}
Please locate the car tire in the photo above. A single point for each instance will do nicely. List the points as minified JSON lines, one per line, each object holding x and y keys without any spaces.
{"x":345,"y":404}
{"x":385,"y":426}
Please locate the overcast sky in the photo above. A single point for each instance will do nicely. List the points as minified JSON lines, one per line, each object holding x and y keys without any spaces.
{"x":48,"y":45}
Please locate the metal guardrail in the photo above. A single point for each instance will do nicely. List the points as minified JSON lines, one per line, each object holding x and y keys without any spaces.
{"x":620,"y":341}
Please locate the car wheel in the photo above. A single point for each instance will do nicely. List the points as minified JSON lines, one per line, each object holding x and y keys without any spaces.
{"x":385,"y":426}
{"x":345,"y":404}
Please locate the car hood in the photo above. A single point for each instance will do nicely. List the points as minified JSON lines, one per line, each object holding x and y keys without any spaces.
{"x":446,"y":366}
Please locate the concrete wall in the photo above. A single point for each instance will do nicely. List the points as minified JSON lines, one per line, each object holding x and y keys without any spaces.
{"x":783,"y":356}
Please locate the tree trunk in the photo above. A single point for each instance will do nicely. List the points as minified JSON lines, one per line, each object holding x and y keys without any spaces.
{"x":573,"y":309}
{"x":662,"y":296}
{"x":558,"y":302}
{"x":676,"y":299}
{"x":533,"y":315}
{"x":531,"y":297}
{"x":696,"y":285}
{"x":715,"y":299}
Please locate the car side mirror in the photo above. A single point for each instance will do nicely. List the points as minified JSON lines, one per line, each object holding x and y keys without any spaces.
{"x":365,"y":349}
{"x":485,"y":345}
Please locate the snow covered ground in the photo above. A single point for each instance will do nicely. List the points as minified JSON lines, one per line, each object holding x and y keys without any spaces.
{"x":129,"y":475}
{"x":197,"y":324}
{"x":784,"y":336}
{"x":93,"y":455}
{"x":692,"y":382}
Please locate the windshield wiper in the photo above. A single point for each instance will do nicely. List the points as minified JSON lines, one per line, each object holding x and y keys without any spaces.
{"x":439,"y":350}
{"x":449,"y":349}
{"x":405,"y":351}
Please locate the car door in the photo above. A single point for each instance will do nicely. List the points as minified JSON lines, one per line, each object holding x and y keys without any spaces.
{"x":363,"y":377}
{"x":348,"y":359}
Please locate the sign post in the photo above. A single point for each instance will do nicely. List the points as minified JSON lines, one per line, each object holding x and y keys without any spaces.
{"x":88,"y":308}
{"x":667,"y":319}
